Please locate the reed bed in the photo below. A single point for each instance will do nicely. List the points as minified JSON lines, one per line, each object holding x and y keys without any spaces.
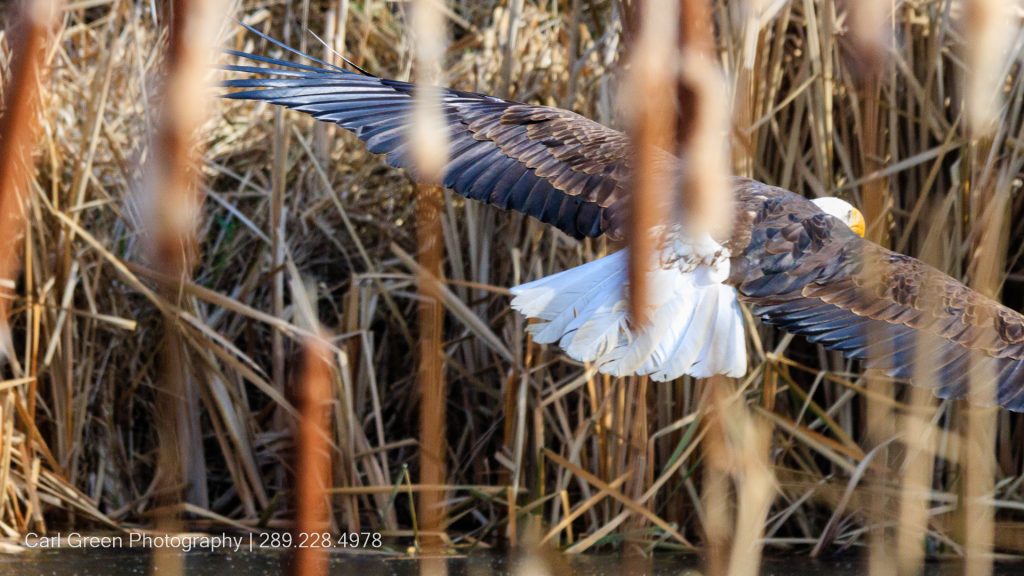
{"x":300,"y":227}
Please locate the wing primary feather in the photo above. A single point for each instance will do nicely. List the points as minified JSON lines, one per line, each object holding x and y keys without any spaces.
{"x":288,"y":48}
{"x":278,"y":62}
{"x":339,"y":55}
{"x":481,"y":188}
{"x":468,"y":176}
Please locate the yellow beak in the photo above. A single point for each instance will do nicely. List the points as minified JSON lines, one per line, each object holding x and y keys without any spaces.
{"x":857,"y":223}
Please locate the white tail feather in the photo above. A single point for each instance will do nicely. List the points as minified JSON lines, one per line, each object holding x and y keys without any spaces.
{"x":696,"y":325}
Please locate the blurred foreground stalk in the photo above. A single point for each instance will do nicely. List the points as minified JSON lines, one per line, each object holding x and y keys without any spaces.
{"x":18,"y":127}
{"x":651,"y":92}
{"x":313,"y":458}
{"x":992,"y":26}
{"x":172,"y":191}
{"x":738,"y":442}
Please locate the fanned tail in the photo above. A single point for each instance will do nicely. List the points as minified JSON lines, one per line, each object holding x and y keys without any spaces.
{"x":696,"y":325}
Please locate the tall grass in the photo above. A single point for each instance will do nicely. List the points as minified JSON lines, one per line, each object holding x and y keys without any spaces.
{"x":533,"y":439}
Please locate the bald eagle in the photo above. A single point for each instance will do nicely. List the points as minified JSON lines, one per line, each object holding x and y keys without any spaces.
{"x":798,"y":264}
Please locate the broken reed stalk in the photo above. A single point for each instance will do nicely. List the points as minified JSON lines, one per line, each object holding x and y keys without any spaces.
{"x":313,"y":459}
{"x":18,"y":127}
{"x":174,"y":207}
{"x":429,"y":142}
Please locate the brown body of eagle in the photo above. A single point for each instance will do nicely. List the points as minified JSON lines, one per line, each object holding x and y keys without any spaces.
{"x":795,"y":266}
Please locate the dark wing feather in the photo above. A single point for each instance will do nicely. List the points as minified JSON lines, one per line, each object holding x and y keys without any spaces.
{"x":551,"y":164}
{"x":804,"y":272}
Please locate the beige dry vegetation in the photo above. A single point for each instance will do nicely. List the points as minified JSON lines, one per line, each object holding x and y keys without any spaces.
{"x":598,"y":461}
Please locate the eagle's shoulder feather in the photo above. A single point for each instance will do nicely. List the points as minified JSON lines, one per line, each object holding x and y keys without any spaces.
{"x":809,"y":274}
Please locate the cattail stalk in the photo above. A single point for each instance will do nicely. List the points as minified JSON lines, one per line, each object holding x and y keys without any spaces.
{"x":704,"y":125}
{"x":650,"y":92}
{"x":429,"y":141}
{"x":174,"y":207}
{"x":313,"y":459}
{"x":18,"y":127}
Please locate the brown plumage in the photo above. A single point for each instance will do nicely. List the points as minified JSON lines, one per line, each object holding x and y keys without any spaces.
{"x":795,"y":266}
{"x":802,"y":271}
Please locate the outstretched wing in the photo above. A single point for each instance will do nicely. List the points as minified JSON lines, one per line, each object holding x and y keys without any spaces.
{"x":552,"y":164}
{"x":805,"y":272}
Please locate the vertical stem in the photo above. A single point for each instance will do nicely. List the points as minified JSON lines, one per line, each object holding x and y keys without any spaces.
{"x":718,"y":512}
{"x":869,"y":25}
{"x":18,"y":126}
{"x":175,"y":206}
{"x":702,"y":101}
{"x":313,"y":458}
{"x":429,"y":141}
{"x":430,"y":376}
{"x":978,"y":458}
{"x":515,"y":10}
{"x":17,"y":129}
{"x":991,"y":27}
{"x":574,"y":42}
{"x":920,"y":437}
{"x":652,"y":89}
{"x":277,"y":264}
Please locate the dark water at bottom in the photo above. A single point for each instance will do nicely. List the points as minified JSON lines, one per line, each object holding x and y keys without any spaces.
{"x":135,"y":562}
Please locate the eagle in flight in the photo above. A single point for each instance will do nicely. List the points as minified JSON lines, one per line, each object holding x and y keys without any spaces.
{"x":798,"y":264}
